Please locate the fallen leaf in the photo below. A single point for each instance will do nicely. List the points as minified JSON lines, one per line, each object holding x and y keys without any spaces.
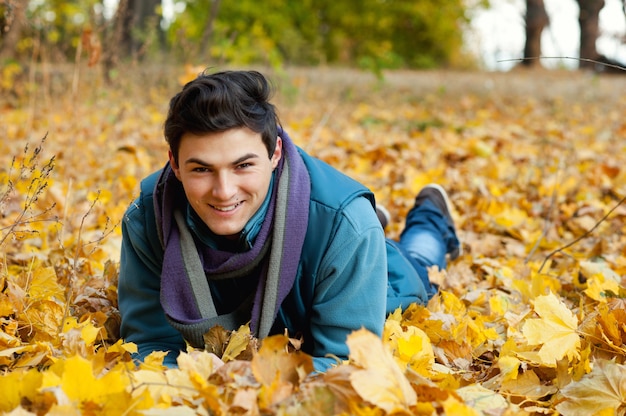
{"x":237,"y":343}
{"x":555,"y":330}
{"x":481,"y":399}
{"x":273,"y":360}
{"x":603,"y":391}
{"x":528,"y":385}
{"x":379,"y":379}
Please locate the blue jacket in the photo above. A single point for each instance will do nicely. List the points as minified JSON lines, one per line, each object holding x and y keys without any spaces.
{"x":343,"y":282}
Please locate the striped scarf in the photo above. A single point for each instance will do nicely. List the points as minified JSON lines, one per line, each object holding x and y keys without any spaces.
{"x":189,"y":265}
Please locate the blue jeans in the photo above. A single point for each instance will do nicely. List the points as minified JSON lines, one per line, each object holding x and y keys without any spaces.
{"x":426,"y":239}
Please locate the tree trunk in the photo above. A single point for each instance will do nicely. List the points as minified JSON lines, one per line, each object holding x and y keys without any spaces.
{"x":208,"y":28}
{"x":149,"y":22}
{"x":114,"y":40}
{"x":124,"y":26}
{"x":137,"y":20}
{"x":11,"y":29}
{"x":536,"y":20}
{"x":588,"y":19}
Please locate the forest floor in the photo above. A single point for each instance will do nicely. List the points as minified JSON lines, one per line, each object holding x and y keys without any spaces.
{"x":528,"y":321}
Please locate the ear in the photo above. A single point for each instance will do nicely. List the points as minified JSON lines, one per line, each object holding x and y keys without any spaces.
{"x":278,"y":152}
{"x":174,"y":165}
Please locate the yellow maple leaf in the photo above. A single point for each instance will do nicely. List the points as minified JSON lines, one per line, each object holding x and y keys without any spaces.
{"x":479,"y":331}
{"x":44,"y":285}
{"x":379,"y":380}
{"x":610,"y":325}
{"x":88,"y":331}
{"x":103,"y":196}
{"x":499,"y":304}
{"x":80,"y":384}
{"x":592,"y":268}
{"x":542,"y":284}
{"x":603,"y":391}
{"x":412,"y":348}
{"x":45,"y":316}
{"x":509,"y":367}
{"x":268,"y":395}
{"x":6,"y":306}
{"x":122,"y":347}
{"x":510,"y":218}
{"x":453,"y":406}
{"x":237,"y":343}
{"x":482,"y":399}
{"x":199,"y":362}
{"x":150,"y":386}
{"x":409,"y":344}
{"x":154,"y":361}
{"x":528,"y":385}
{"x":599,"y":286}
{"x":16,"y":385}
{"x":273,"y":360}
{"x":452,"y":304}
{"x":555,"y":330}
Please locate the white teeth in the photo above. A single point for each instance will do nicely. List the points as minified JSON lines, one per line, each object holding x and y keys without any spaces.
{"x":226,"y":209}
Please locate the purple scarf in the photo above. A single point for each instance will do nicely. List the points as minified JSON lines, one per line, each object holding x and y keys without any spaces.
{"x":188,"y":265}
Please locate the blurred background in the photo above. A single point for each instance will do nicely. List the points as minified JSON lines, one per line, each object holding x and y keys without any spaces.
{"x":497,"y":33}
{"x":373,"y":35}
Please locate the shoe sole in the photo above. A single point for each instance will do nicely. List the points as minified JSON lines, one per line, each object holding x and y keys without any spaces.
{"x":459,"y":251}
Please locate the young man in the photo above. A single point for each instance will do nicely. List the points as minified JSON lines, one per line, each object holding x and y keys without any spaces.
{"x":242,"y":226}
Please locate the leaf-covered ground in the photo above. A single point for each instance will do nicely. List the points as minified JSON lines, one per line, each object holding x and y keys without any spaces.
{"x":530,"y":320}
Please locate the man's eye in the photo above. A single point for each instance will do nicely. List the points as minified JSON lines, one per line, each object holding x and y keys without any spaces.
{"x":200,"y":170}
{"x":244,"y":165}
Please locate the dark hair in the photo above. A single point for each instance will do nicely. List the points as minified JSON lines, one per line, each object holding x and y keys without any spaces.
{"x":219,"y":102}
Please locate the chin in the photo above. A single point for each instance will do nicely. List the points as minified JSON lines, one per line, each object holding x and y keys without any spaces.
{"x":226,"y":232}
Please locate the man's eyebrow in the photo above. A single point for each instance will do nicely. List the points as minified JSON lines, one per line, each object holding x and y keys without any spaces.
{"x":234,"y":163}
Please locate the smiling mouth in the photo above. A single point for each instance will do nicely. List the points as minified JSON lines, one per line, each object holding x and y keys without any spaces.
{"x":225,"y":209}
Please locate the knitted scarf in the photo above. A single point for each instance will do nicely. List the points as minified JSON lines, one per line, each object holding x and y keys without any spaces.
{"x":189,"y":265}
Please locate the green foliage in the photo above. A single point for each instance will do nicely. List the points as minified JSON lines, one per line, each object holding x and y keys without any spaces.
{"x":374,"y":34}
{"x":249,"y":31}
{"x":371,"y":34}
{"x":54,"y":27}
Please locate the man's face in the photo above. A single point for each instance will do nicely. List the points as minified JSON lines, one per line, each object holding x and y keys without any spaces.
{"x":226,"y":176}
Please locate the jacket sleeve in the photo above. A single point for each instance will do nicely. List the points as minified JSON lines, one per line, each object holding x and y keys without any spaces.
{"x":143,"y":318}
{"x":351,"y":286}
{"x":404,"y":282}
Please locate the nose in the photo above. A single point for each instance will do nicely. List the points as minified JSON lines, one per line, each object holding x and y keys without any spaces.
{"x":224,"y":187}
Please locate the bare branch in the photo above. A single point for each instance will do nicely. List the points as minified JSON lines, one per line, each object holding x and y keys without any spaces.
{"x":570,"y":244}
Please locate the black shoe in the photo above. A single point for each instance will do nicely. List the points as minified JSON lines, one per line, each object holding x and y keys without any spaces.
{"x":383,"y":215}
{"x":439,"y":197}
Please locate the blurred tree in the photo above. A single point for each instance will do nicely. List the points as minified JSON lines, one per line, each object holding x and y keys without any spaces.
{"x":536,"y":20}
{"x":140,"y":21}
{"x":374,"y":34}
{"x":370,"y":33}
{"x":114,"y":35}
{"x":207,"y":34}
{"x":134,"y":28}
{"x":46,"y":29}
{"x":12,"y":20}
{"x":393,"y":33}
{"x":589,"y":19}
{"x":246,"y":31}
